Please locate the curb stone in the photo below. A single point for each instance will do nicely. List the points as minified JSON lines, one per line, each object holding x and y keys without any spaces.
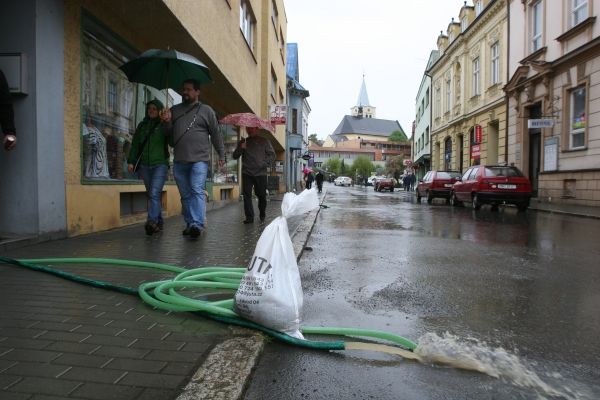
{"x":228,"y":367}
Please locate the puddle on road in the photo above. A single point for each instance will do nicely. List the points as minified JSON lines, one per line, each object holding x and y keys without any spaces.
{"x":474,"y":355}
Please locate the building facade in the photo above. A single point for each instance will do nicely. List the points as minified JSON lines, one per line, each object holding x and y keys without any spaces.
{"x":421,"y":153}
{"x":297,"y":121}
{"x":468,"y":105}
{"x":554,"y":98}
{"x":76,"y":112}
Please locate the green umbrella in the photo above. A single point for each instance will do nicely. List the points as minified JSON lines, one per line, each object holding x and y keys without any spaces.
{"x":165,"y":69}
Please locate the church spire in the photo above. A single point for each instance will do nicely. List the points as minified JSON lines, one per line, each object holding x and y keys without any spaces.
{"x":363,"y":97}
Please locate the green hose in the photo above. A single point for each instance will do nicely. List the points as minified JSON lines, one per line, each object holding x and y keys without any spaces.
{"x":164,"y":295}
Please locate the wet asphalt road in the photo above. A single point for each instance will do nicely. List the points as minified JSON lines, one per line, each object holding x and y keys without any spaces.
{"x":527,"y":283}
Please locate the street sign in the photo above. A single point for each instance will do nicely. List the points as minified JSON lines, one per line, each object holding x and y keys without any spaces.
{"x":478,"y":133}
{"x":540,"y":123}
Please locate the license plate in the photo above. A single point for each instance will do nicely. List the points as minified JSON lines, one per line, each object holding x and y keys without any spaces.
{"x":447,"y":185}
{"x":506,"y":186}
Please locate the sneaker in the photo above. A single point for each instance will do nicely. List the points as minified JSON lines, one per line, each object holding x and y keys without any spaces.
{"x":151,"y":228}
{"x":195,"y":231}
{"x":248,"y":221}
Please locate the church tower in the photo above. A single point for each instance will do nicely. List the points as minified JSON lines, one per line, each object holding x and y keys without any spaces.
{"x":363,"y":109}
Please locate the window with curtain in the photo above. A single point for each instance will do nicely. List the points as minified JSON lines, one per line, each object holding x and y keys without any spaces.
{"x":475,"y":84}
{"x":536,"y":25}
{"x":578,"y":120}
{"x":495,"y":63}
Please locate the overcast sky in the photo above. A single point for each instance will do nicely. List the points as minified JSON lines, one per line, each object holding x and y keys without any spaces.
{"x":387,"y":40}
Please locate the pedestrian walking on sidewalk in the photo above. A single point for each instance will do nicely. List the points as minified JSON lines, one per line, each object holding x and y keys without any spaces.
{"x":319,"y":179}
{"x":190,"y":127}
{"x":149,"y":157}
{"x":7,"y":115}
{"x":257,"y":155}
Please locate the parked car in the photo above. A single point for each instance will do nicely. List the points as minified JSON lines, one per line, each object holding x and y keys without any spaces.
{"x":436,"y":184}
{"x":384,"y":184}
{"x":342,"y":181}
{"x":492,"y":184}
{"x":371,"y":180}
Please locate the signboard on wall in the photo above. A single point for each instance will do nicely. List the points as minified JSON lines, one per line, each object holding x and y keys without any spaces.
{"x":551,"y":154}
{"x":478,"y":133}
{"x":540,"y":123}
{"x":475,"y":151}
{"x":278,"y":113}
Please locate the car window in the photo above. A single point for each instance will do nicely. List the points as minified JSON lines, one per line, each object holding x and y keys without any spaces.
{"x":473,"y":173}
{"x":426,"y":177}
{"x":447,"y":175}
{"x":502,"y":171}
{"x":466,"y":175}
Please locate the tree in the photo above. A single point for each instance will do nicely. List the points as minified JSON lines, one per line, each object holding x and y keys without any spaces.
{"x":362,"y":166}
{"x":395,"y":166}
{"x":315,"y":140}
{"x":332,"y":165}
{"x":397,"y":136}
{"x":344,"y":170}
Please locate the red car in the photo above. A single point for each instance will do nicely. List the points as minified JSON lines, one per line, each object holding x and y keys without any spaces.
{"x":492,"y":184}
{"x":437,"y":184}
{"x":384,"y":183}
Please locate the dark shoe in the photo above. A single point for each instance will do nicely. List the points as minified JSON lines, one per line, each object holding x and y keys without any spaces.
{"x":151,"y":228}
{"x":262,"y":217}
{"x":249,"y":221}
{"x":160,"y":226}
{"x":186,"y":231}
{"x":195,"y":231}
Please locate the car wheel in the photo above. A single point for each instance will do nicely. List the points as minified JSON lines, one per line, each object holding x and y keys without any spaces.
{"x":476,"y":204}
{"x":454,"y":200}
{"x":391,"y":189}
{"x":418,"y":196}
{"x":429,"y":197}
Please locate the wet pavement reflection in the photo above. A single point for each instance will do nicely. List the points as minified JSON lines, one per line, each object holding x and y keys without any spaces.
{"x":525,"y":283}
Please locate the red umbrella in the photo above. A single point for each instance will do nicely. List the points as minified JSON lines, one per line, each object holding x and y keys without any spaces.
{"x":247,"y":120}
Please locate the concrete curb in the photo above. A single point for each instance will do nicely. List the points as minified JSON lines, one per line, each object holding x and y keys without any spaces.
{"x":228,"y":367}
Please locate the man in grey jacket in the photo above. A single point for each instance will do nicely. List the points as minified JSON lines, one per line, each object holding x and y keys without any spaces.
{"x":257,"y":155}
{"x":191,"y":127}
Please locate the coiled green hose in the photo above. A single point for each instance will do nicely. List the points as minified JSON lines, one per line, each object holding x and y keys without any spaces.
{"x":165,"y":295}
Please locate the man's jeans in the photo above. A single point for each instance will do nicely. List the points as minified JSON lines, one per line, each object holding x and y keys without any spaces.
{"x":191,"y":180}
{"x":154,"y":177}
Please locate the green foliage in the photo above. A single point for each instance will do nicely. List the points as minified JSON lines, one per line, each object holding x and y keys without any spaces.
{"x":397,"y":136}
{"x":362,"y":166}
{"x":395,"y":166}
{"x":332,"y":165}
{"x":315,"y":140}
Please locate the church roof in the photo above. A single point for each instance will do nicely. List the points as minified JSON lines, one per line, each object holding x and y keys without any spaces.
{"x":363,"y":97}
{"x":366,"y":126}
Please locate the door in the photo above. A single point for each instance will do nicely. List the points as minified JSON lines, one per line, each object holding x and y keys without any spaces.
{"x":535,"y":145}
{"x":460,"y":153}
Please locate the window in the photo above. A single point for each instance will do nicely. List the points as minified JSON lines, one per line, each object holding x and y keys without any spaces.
{"x":448,"y":95}
{"x":495,"y":67}
{"x":427,"y":98}
{"x":112,"y":96}
{"x":274,"y":15}
{"x":478,"y":7}
{"x":464,"y":23}
{"x":294,"y":120}
{"x":273,"y":84}
{"x":427,"y":135}
{"x":579,"y":11}
{"x":247,"y":22}
{"x":577,"y":122}
{"x":536,"y":26}
{"x":475,"y":85}
{"x":438,"y":101}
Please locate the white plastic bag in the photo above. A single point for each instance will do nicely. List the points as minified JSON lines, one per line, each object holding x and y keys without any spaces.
{"x":270,"y":292}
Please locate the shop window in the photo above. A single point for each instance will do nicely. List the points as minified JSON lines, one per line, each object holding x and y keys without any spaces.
{"x":229,"y":173}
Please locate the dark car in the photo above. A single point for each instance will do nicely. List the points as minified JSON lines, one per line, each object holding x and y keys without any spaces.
{"x":384,"y":184}
{"x":492,"y":184}
{"x":437,"y":184}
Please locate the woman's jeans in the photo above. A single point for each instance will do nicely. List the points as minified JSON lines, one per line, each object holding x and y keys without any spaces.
{"x":191,"y":180}
{"x":154,"y":177}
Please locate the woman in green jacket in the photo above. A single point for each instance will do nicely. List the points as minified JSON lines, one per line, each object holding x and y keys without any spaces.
{"x":149,"y":145}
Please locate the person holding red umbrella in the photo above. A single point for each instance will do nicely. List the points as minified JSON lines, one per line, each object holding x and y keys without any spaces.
{"x":257,"y":155}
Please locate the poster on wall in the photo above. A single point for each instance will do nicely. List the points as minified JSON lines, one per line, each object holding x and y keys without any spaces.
{"x":278,"y":113}
{"x":551,"y":154}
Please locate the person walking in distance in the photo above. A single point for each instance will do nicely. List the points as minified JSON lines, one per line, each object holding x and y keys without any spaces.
{"x":319,"y":179}
{"x":257,"y":155}
{"x":7,"y":115}
{"x":190,"y":127}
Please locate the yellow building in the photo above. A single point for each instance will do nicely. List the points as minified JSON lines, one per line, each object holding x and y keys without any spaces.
{"x":468,"y":104}
{"x":89,"y":109}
